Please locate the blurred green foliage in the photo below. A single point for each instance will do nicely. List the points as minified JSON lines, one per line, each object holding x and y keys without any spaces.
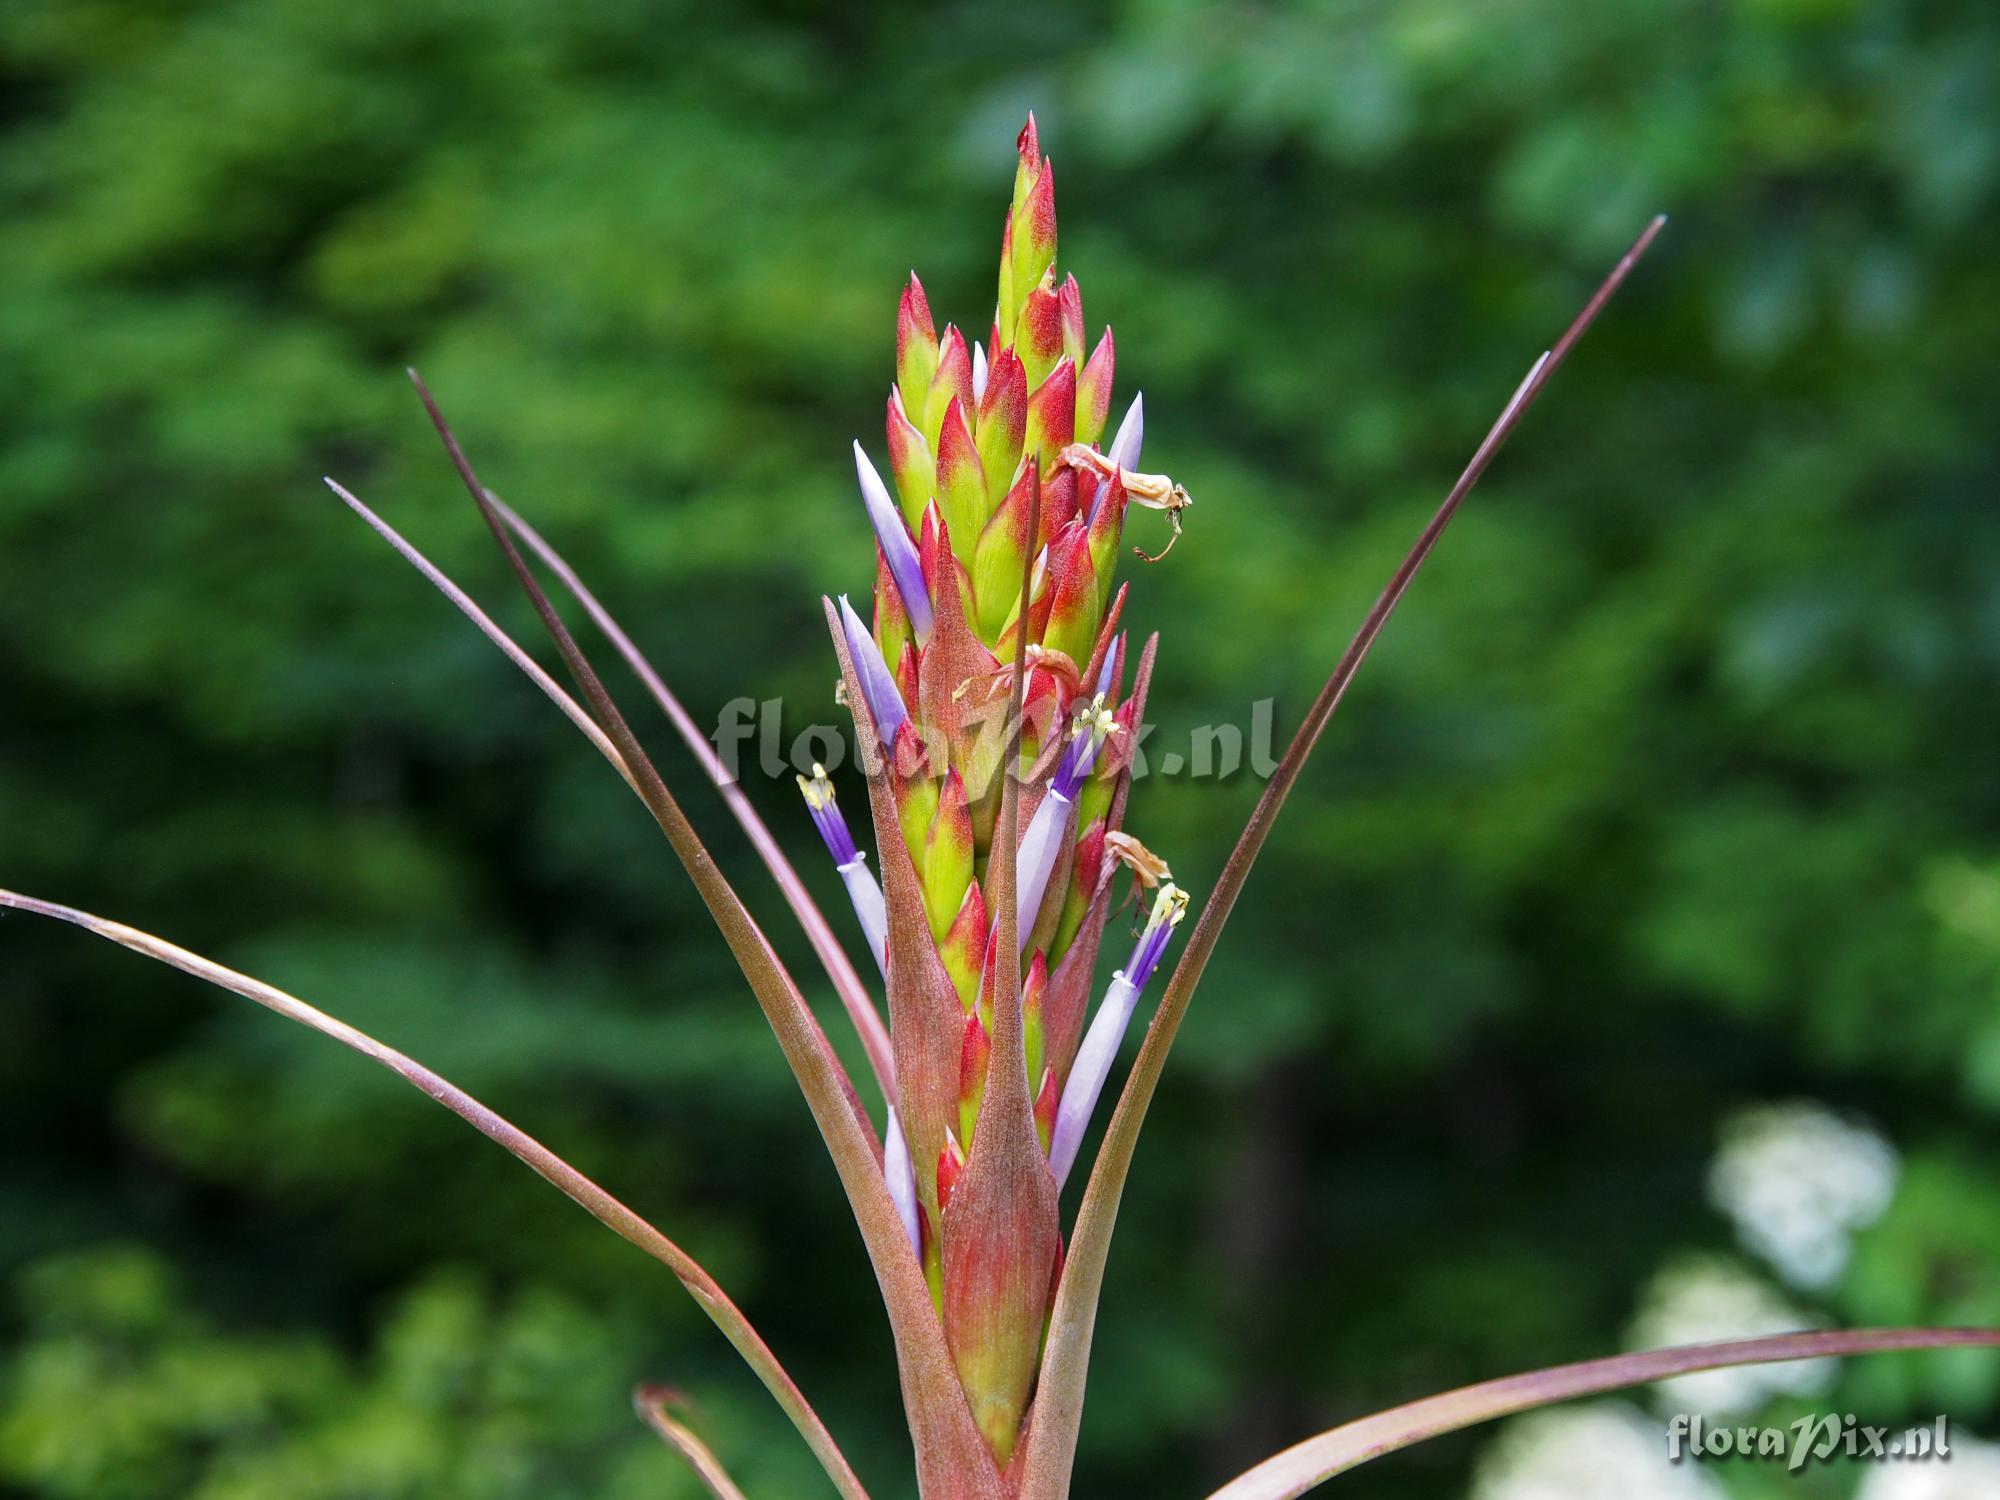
{"x":1672,"y":791}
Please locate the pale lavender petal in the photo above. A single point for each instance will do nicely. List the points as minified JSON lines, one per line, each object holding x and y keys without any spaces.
{"x":1088,"y":1073}
{"x":978,"y":371}
{"x":1041,"y":842}
{"x":885,"y":699}
{"x":1125,"y":445}
{"x":905,"y":566}
{"x":1124,"y":449}
{"x":869,"y":909}
{"x":1102,"y":687}
{"x":902,"y":1180}
{"x":1092,"y":1066}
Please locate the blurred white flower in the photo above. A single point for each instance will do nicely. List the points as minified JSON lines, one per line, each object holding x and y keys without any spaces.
{"x":1704,"y":1298}
{"x":1586,"y":1453}
{"x":1971,"y":1473}
{"x":1797,"y":1181}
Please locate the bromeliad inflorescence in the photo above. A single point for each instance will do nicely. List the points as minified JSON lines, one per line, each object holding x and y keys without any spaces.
{"x":997,"y":728}
{"x":994,"y":567}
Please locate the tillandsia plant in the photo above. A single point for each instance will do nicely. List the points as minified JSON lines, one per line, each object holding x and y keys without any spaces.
{"x":996,"y":703}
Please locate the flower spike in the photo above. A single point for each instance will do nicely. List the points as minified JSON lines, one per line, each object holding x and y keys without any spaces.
{"x":904,"y":565}
{"x":1002,"y":795}
{"x":1107,"y":1030}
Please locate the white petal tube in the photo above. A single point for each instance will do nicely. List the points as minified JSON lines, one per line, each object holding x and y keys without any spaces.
{"x":1088,"y":1072}
{"x":869,"y":908}
{"x":901,"y":1179}
{"x":1041,"y":842}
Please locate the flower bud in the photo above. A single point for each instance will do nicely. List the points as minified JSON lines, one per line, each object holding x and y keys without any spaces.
{"x":910,"y":461}
{"x":1070,"y":299}
{"x":947,"y":864}
{"x":916,"y":345}
{"x":961,"y":481}
{"x":1093,"y":390}
{"x":952,"y":382}
{"x":1003,"y":424}
{"x":1052,"y":415}
{"x":1038,"y":336}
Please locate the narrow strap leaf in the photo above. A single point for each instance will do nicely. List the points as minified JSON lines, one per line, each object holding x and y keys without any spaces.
{"x":1318,"y":1459}
{"x":1059,"y":1402}
{"x":652,"y":1403}
{"x":606,"y":1209}
{"x":823,"y":1080}
{"x":846,"y":982}
{"x":571,"y":710}
{"x":436,"y":577}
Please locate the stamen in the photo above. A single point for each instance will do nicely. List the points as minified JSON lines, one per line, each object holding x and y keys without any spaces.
{"x":1043,"y":838}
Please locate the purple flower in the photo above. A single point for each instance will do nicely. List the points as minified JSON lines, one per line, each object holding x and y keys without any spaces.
{"x":885,"y":699}
{"x":1107,"y":1029}
{"x":1042,"y":839}
{"x":904,"y":564}
{"x":1125,"y":445}
{"x":862,"y":888}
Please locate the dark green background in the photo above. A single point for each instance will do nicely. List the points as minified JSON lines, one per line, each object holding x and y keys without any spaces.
{"x":1673,"y":791}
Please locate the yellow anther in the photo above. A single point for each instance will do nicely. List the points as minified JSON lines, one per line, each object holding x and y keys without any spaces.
{"x":1094,"y":719}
